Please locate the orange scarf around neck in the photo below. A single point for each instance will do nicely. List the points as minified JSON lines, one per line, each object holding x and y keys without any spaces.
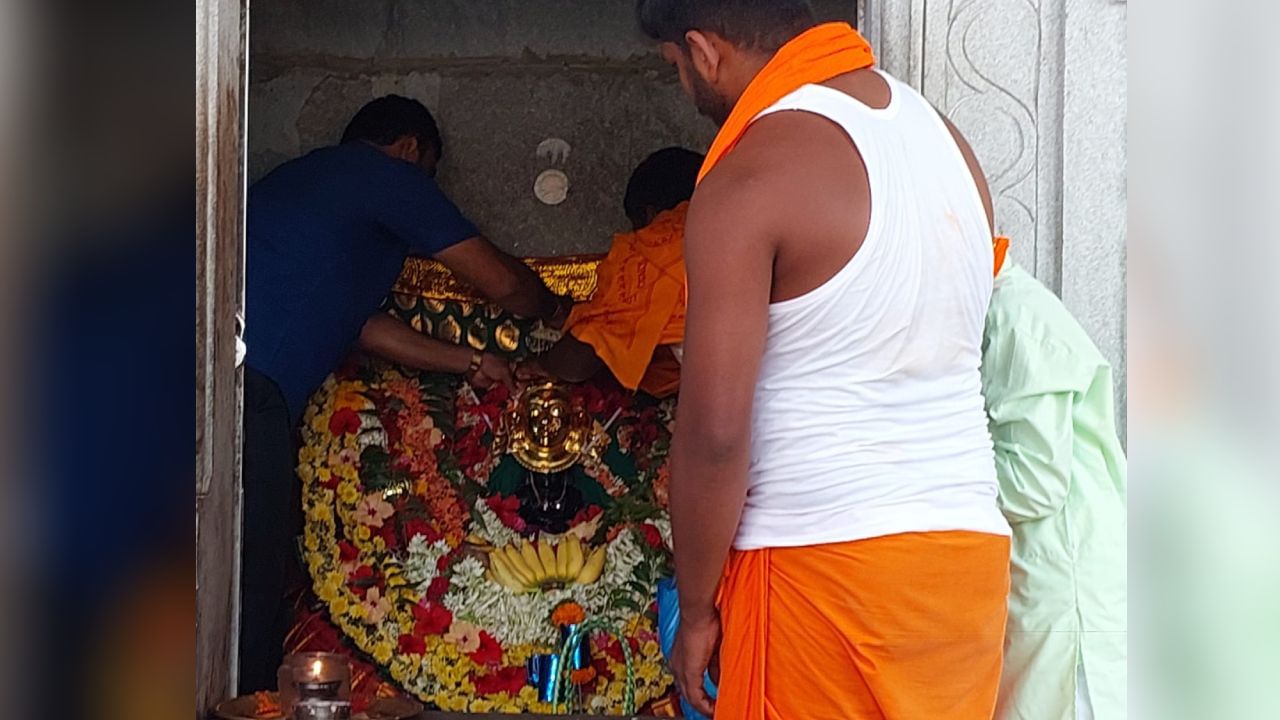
{"x":815,"y":55}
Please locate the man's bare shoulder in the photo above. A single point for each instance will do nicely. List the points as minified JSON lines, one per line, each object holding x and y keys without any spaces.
{"x":774,"y":170}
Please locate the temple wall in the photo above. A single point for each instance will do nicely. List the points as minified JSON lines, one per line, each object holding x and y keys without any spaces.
{"x":501,"y":76}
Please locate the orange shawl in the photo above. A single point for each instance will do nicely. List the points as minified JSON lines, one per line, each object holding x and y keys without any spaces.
{"x":638,"y":305}
{"x":815,"y":55}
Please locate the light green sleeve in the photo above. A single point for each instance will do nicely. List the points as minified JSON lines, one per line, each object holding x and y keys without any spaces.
{"x":1031,"y":380}
{"x":1032,"y":437}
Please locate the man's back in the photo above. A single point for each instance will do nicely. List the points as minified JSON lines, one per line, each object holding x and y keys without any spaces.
{"x":327,"y":236}
{"x":867,"y":412}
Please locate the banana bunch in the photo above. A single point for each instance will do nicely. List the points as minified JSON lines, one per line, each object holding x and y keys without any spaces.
{"x":526,"y":567}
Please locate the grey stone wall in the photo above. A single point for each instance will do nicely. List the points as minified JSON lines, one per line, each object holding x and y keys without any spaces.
{"x":501,"y":76}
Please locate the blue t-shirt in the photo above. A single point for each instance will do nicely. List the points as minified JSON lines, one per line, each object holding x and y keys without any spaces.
{"x":327,"y":235}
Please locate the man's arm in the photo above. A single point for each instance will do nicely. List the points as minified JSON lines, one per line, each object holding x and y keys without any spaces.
{"x":390,"y":338}
{"x":729,"y":258}
{"x":1033,"y":440}
{"x":570,"y":359}
{"x":503,"y":280}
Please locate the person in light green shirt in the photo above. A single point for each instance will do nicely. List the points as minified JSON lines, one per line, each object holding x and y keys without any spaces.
{"x":1062,"y":477}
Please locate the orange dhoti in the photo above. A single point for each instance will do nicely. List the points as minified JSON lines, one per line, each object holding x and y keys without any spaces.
{"x":901,"y":627}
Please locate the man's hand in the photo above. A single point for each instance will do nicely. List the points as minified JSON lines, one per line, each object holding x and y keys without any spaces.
{"x":492,"y":371}
{"x":695,"y":652}
{"x":530,"y":370}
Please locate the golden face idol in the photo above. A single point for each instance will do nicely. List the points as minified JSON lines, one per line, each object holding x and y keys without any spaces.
{"x":546,"y":430}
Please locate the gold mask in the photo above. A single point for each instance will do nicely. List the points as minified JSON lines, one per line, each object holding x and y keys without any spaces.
{"x":546,"y":429}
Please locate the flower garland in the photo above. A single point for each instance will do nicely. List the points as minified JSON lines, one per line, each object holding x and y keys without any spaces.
{"x":418,"y":548}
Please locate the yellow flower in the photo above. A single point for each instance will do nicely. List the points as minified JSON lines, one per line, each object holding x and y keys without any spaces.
{"x":311,"y":542}
{"x":306,"y":473}
{"x":339,"y":606}
{"x":307,"y":455}
{"x":382,"y":651}
{"x":650,"y":649}
{"x":452,"y":703}
{"x":328,"y":590}
{"x":350,"y":397}
{"x":362,"y":533}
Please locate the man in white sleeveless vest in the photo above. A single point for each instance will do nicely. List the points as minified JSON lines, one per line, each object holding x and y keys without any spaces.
{"x":837,"y":538}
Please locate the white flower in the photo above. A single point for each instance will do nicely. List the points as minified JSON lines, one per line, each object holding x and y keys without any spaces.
{"x":492,"y":529}
{"x":421,"y":558}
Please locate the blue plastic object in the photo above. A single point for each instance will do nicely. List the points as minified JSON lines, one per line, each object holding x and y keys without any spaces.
{"x":668,"y":623}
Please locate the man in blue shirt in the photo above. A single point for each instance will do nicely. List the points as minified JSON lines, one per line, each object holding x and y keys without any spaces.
{"x":327,"y":236}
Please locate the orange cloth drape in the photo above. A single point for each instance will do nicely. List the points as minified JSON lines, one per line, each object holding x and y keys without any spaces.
{"x":1000,"y":245}
{"x":639,"y":305}
{"x":815,"y":55}
{"x":900,"y":627}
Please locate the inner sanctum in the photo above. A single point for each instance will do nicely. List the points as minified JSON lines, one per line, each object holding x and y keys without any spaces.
{"x":471,"y":549}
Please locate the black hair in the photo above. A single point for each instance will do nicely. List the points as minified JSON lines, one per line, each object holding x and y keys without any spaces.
{"x":391,"y":117}
{"x":761,"y":25}
{"x":660,"y":182}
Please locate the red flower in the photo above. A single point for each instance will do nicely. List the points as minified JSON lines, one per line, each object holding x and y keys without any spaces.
{"x":431,"y":619}
{"x":361,"y":579}
{"x":343,"y":421}
{"x":652,"y":536}
{"x":346,"y":551}
{"x":593,"y":399}
{"x":437,"y":589}
{"x":412,"y":645}
{"x":507,"y":510}
{"x":602,"y":668}
{"x":648,"y":433}
{"x":586,"y":514}
{"x":389,"y":535}
{"x":445,"y":561}
{"x":613,"y":649}
{"x":470,"y":448}
{"x":489,"y":652}
{"x":507,"y":680}
{"x":415,"y":526}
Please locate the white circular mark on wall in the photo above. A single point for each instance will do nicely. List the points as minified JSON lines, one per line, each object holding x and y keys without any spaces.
{"x":551,"y":187}
{"x":553,"y":150}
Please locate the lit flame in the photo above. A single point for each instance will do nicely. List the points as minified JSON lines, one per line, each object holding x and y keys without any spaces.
{"x":316,"y":667}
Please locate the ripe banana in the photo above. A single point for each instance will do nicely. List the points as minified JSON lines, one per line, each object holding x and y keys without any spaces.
{"x":502,"y":573}
{"x":525,"y":566}
{"x":562,"y":561}
{"x":592,"y":568}
{"x":516,"y":564}
{"x":547,"y":559}
{"x":531,"y":559}
{"x":575,"y":557}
